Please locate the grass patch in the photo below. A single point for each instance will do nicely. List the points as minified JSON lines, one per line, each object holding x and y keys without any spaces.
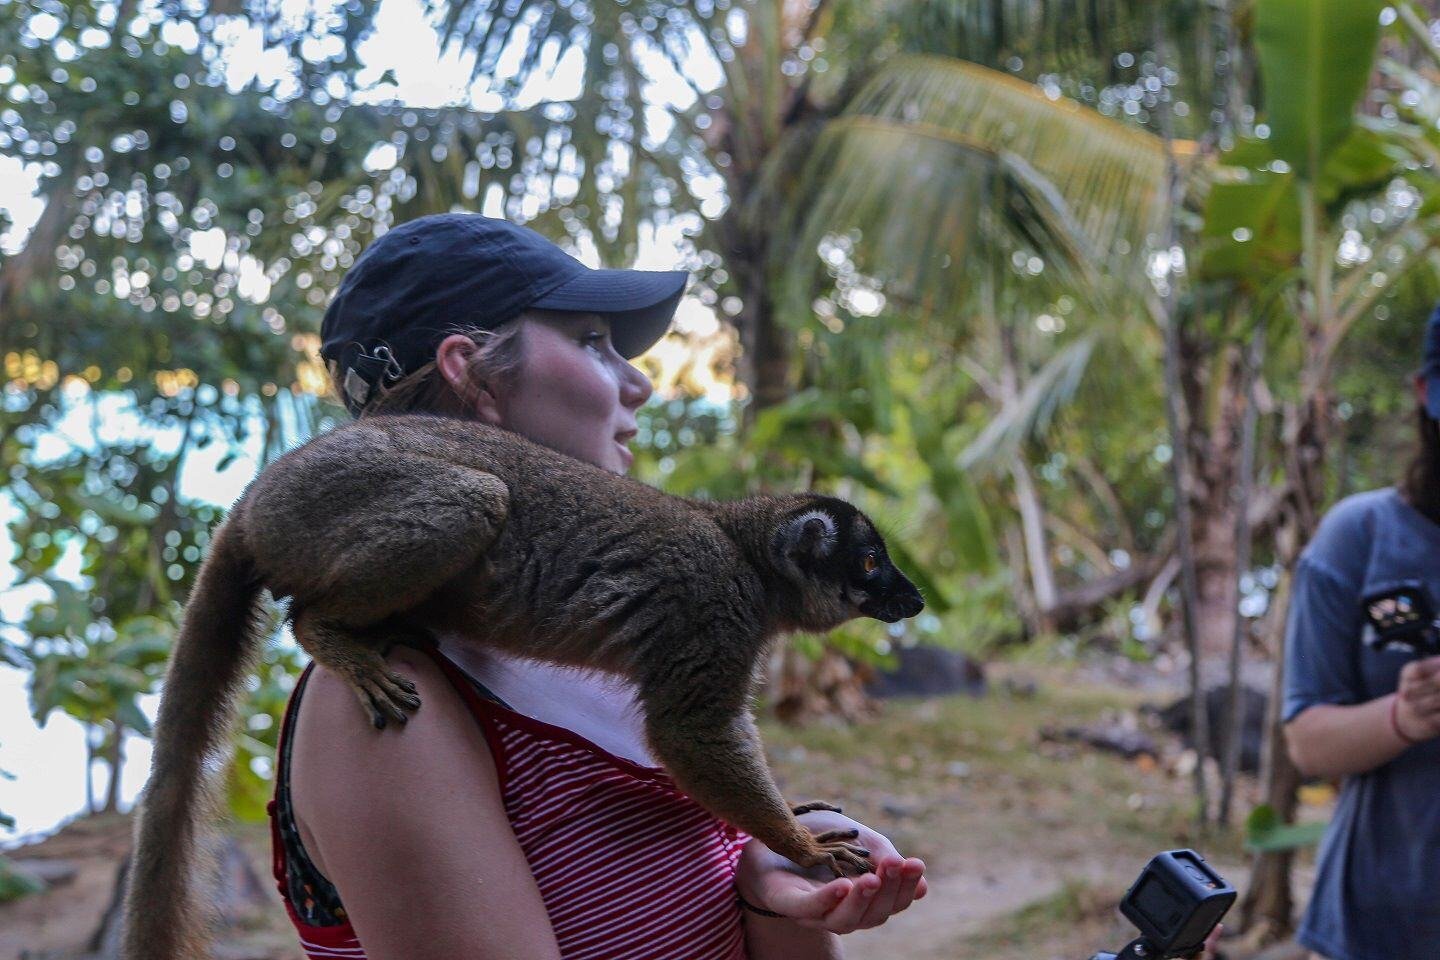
{"x":931,"y":773}
{"x":15,"y":884}
{"x":1076,"y":906}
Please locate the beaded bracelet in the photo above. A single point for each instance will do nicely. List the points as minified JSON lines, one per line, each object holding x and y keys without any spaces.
{"x":1395,"y":722}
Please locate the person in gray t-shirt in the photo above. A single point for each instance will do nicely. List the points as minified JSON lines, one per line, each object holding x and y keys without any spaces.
{"x":1372,"y":716}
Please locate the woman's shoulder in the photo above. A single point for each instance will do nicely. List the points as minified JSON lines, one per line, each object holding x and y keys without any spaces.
{"x":401,"y":819}
{"x":342,"y":766}
{"x":1357,"y":511}
{"x":1342,"y":541}
{"x":332,"y":708}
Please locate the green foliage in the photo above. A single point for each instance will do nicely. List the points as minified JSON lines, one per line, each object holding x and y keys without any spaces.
{"x":7,"y":822}
{"x":102,"y":528}
{"x":262,"y":710}
{"x":1252,"y":228}
{"x":930,"y":142}
{"x":1252,"y":225}
{"x":15,"y":884}
{"x":1050,"y":388}
{"x":1315,"y":57}
{"x":968,"y":524}
{"x":1264,"y":832}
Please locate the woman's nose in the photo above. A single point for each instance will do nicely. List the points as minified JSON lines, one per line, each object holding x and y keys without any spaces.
{"x":635,"y":387}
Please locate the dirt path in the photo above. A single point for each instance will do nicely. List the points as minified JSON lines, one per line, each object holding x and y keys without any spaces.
{"x":63,"y":918}
{"x":956,"y":907}
{"x":959,"y":907}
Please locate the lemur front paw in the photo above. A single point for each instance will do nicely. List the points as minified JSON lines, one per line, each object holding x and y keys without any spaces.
{"x":845,"y":859}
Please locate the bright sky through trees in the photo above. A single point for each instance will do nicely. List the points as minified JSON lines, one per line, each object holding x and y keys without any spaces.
{"x":402,"y":61}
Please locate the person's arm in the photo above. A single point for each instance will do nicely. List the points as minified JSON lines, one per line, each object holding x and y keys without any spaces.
{"x":1329,"y":740}
{"x":768,"y":938}
{"x":1332,"y":728}
{"x":409,"y":825}
{"x":815,"y":905}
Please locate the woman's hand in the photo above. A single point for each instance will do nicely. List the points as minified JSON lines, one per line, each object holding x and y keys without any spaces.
{"x":1418,"y":711}
{"x":815,"y":898}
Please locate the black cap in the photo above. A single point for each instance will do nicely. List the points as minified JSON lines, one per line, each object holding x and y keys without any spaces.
{"x":431,"y":276}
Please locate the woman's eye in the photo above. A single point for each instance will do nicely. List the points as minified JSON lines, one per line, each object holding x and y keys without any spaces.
{"x":594,"y":338}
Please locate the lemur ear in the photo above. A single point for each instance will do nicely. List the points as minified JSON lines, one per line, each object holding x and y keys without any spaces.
{"x":808,"y":537}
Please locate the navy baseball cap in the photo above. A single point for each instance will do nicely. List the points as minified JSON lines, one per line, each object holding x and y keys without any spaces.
{"x":429,"y":277}
{"x":1431,"y":369}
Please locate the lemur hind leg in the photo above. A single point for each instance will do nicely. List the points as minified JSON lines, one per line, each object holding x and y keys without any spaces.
{"x":397,"y":560}
{"x":716,"y":757}
{"x":357,"y":656}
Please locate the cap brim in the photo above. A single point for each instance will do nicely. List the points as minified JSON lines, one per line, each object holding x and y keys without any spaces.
{"x":638,"y":303}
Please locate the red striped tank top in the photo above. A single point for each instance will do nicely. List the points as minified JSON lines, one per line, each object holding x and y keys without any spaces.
{"x":629,"y":867}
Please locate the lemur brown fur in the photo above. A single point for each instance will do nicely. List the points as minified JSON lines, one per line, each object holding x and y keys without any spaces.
{"x":391,"y":526}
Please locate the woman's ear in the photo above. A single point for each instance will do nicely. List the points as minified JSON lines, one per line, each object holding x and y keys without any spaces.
{"x":455,"y":359}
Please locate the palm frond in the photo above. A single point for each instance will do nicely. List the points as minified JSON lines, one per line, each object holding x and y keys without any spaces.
{"x":1050,"y":389}
{"x":1110,"y":174}
{"x":932,"y":141}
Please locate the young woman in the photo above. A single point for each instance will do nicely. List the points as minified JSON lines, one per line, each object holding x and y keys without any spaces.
{"x":519,"y":812}
{"x":1372,"y":716}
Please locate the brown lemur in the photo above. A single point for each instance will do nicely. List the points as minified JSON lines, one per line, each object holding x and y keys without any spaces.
{"x":394,"y":525}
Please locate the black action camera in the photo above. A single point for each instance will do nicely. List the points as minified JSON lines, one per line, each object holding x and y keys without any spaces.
{"x":1401,"y":617}
{"x":1175,"y":903}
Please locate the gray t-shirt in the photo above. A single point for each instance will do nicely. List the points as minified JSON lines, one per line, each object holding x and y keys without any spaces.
{"x":1377,"y":891}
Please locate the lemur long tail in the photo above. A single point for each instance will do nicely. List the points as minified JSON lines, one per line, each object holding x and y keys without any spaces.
{"x":167,"y":913}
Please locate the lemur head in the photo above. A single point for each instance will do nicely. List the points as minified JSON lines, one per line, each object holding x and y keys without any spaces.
{"x":836,"y":563}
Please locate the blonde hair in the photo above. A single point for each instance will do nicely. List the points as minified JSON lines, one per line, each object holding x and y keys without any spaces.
{"x":425,"y":390}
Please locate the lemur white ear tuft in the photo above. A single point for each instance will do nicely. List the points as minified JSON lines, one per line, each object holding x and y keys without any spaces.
{"x":809,"y":536}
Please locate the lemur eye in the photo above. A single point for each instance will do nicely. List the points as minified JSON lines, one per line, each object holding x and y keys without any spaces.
{"x":870,"y":563}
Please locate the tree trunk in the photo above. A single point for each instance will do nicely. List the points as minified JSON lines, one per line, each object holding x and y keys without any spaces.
{"x":1268,"y":907}
{"x":1230,"y":753}
{"x":89,"y":769}
{"x":38,"y":253}
{"x":1083,"y":604}
{"x":764,"y":364}
{"x":1180,"y":419}
{"x":1025,"y":607}
{"x":1267,"y":911}
{"x":1037,"y":550}
{"x":812,"y":689}
{"x":1027,"y":498}
{"x":114,"y":759}
{"x":804,"y":689}
{"x":771,"y":349}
